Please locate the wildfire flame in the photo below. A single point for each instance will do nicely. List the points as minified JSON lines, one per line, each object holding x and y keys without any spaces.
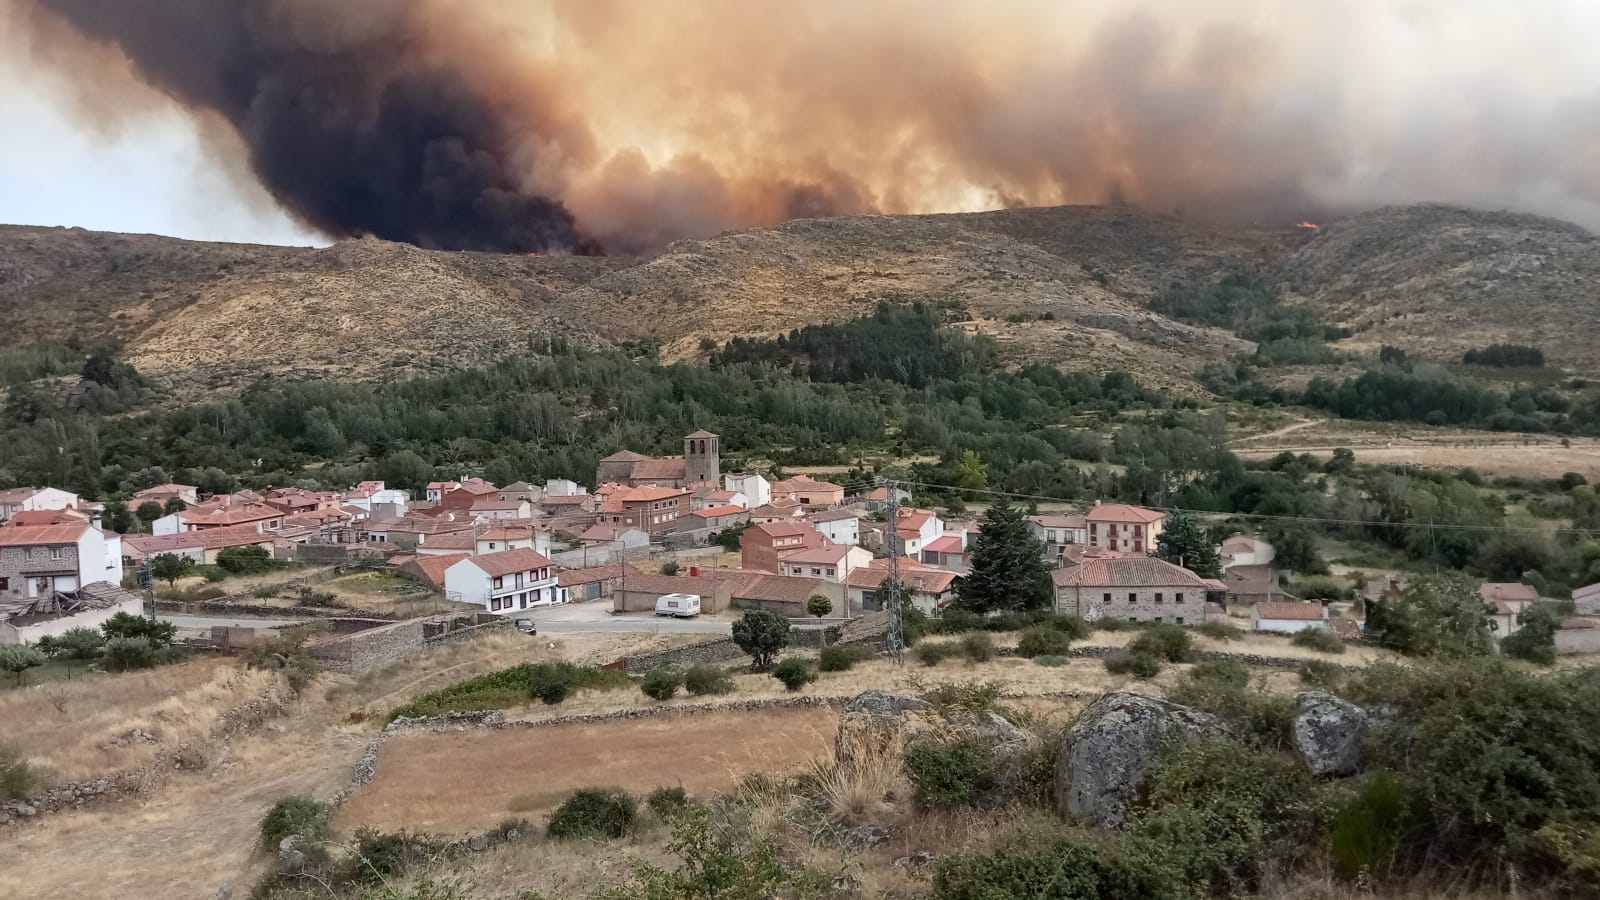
{"x":1307,"y":225}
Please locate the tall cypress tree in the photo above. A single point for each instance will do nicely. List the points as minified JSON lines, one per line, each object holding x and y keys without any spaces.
{"x":1183,"y":543}
{"x":1008,"y":568}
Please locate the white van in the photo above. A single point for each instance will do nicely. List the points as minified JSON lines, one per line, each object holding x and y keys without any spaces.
{"x":681,"y":605}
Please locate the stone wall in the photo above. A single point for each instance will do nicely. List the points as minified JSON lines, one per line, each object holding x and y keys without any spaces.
{"x":1090,"y":604}
{"x":372,"y":647}
{"x":718,"y":650}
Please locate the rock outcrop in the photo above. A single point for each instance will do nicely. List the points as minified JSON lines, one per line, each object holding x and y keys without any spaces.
{"x":1108,"y":752}
{"x":1328,"y":733}
{"x":872,"y":721}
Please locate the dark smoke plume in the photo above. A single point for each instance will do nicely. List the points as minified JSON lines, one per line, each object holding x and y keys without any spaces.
{"x":348,"y":123}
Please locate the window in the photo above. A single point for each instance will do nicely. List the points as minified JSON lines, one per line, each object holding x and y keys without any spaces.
{"x":58,"y":553}
{"x":491,"y":545}
{"x":1107,"y":598}
{"x":1178,"y":620}
{"x":1050,"y":536}
{"x":1133,"y":597}
{"x":1178,"y":597}
{"x":830,"y":570}
{"x":1158,"y":596}
{"x":1158,"y":620}
{"x":499,"y":582}
{"x":5,"y":583}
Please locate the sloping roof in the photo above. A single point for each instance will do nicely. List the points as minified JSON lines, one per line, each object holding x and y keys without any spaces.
{"x":925,"y":580}
{"x":207,"y":539}
{"x":1345,"y":628}
{"x":702,"y":584}
{"x":773,"y":511}
{"x":565,"y":499}
{"x":1122,"y":513}
{"x":518,"y":487}
{"x":1060,"y":521}
{"x":1297,"y":612}
{"x":30,"y":535}
{"x":1130,"y":571}
{"x":669,"y":468}
{"x":230,"y":515}
{"x":1588,"y":590}
{"x":803,"y":483}
{"x":93,"y":596}
{"x":781,"y":529}
{"x":452,"y":540}
{"x":702,"y":433}
{"x":776,"y":588}
{"x":948,"y":544}
{"x":575,"y":577}
{"x":649,"y":493}
{"x":606,"y":532}
{"x":433,"y":566}
{"x":1493,"y":591}
{"x":823,"y":554}
{"x":718,"y":511}
{"x":32,"y":517}
{"x":507,"y":562}
{"x":834,"y":515}
{"x":1583,"y":623}
{"x":17,"y":495}
{"x":492,"y":503}
{"x":168,"y":488}
{"x":624,"y":456}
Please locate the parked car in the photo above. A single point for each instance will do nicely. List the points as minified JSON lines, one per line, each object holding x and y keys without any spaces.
{"x":526,"y":626}
{"x":683,"y":606}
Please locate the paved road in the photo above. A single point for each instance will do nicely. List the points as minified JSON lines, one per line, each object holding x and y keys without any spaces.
{"x":204,"y":623}
{"x":596,"y":618}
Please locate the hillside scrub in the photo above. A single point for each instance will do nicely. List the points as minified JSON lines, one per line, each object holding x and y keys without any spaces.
{"x":842,"y":657}
{"x":1317,"y":639}
{"x":594,"y":814}
{"x":507,"y":688}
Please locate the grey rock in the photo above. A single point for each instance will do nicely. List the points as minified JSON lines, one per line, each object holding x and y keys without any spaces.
{"x":290,"y":857}
{"x":916,"y":860}
{"x":864,"y":836}
{"x":844,"y":885}
{"x":478,"y":843}
{"x":27,"y":810}
{"x":1108,"y":752}
{"x":872,"y":721}
{"x":1328,"y":733}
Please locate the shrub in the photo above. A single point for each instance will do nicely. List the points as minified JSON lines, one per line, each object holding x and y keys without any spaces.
{"x":376,"y":856}
{"x":1073,"y":627}
{"x":1008,"y":621}
{"x":1371,"y":830}
{"x":977,"y":646}
{"x":970,"y":696}
{"x":704,"y":679}
{"x":1317,"y":639}
{"x":1110,"y":624}
{"x":549,"y":682}
{"x":1320,"y":674}
{"x":761,"y":634}
{"x":955,"y":620}
{"x":551,"y":692}
{"x":249,"y":559}
{"x":1042,"y":640}
{"x":125,"y":654}
{"x":841,"y":657}
{"x":794,"y":672}
{"x":1163,"y":641}
{"x":594,"y":813}
{"x":661,"y":683}
{"x":1139,"y":665}
{"x":294,"y":816}
{"x":670,"y":567}
{"x":265,"y":591}
{"x":1222,"y":688}
{"x":931,"y":653}
{"x":1059,"y":866}
{"x":949,"y":773}
{"x":212,"y":574}
{"x":1050,"y":661}
{"x":1220,"y":631}
{"x":18,"y":778}
{"x":667,"y":802}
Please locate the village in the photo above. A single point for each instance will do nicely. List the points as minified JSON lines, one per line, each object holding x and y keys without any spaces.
{"x":650,"y":528}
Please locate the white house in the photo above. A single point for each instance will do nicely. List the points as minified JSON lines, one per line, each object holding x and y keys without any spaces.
{"x":1245,"y":550}
{"x":831,"y":562}
{"x":38,"y":560}
{"x":495,"y":539}
{"x":931,"y":589}
{"x":374,"y":499}
{"x":757,"y":490}
{"x":1507,"y":600}
{"x":561,"y":487}
{"x":26,"y":621}
{"x":506,"y":581}
{"x":916,"y":529}
{"x":1059,"y":531}
{"x":28,"y":499}
{"x":838,"y":525}
{"x":1287,"y":618}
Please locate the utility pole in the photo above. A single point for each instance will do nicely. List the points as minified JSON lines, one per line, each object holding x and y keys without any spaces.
{"x":147,"y":581}
{"x":896,"y":638}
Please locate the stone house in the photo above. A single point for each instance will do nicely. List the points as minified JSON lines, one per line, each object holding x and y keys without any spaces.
{"x":1135,"y":589}
{"x":1123,"y":528}
{"x":700,"y":464}
{"x":1058,"y":532}
{"x":200,"y":546}
{"x":36,"y":561}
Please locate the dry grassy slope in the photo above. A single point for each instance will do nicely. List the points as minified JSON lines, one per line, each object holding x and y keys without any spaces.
{"x":1438,"y":280}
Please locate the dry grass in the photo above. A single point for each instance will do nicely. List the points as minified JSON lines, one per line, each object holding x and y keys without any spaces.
{"x":1495,"y":453}
{"x":71,"y":724}
{"x":460,"y":782}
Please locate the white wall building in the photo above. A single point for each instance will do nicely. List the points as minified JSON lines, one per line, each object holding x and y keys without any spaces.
{"x":834,"y":562}
{"x":840,"y":526}
{"x":756,"y":489}
{"x":18,"y":500}
{"x":561,"y":487}
{"x":38,"y":560}
{"x":1287,"y":618}
{"x":504,"y":582}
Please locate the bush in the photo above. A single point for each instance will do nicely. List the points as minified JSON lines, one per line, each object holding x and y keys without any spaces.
{"x":1108,"y":623}
{"x":841,"y":657}
{"x":1073,"y":627}
{"x":1317,"y":639}
{"x":969,"y":696}
{"x":1058,"y":866}
{"x":794,"y":672}
{"x":1222,"y":688}
{"x":761,"y":634}
{"x":1042,"y":640}
{"x":1139,"y":665}
{"x":1163,"y":641}
{"x":931,"y":653}
{"x":977,"y":646}
{"x":18,"y":779}
{"x":265,"y":591}
{"x":662,"y":683}
{"x":667,"y":802}
{"x":1372,"y":830}
{"x":125,"y":654}
{"x":1322,"y":675}
{"x":955,"y":620}
{"x":212,"y":574}
{"x":249,"y":559}
{"x":551,"y":691}
{"x":1050,"y":661}
{"x":704,"y":679}
{"x":1220,"y":631}
{"x":949,"y":773}
{"x":594,"y":813}
{"x":294,"y":816}
{"x":549,"y":682}
{"x":376,"y":856}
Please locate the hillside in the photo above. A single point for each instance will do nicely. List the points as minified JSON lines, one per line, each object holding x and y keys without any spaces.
{"x":1070,"y":280}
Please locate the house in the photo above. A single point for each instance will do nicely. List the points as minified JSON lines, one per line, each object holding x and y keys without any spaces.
{"x":829,"y":561}
{"x":1245,"y":550}
{"x":220,"y":513}
{"x":507,"y":581}
{"x":756,"y":489}
{"x":437,"y":489}
{"x":165,"y":493}
{"x":1586,"y":599}
{"x":200,"y":546}
{"x":700,"y":464}
{"x":412,"y":531}
{"x":1507,"y":601}
{"x":1134,"y":588}
{"x":715,"y":518}
{"x":592,"y":583}
{"x":491,"y":508}
{"x":299,"y":500}
{"x":1289,"y":617}
{"x":432,"y":568}
{"x":450,"y":543}
{"x":38,"y":560}
{"x":494,"y":538}
{"x":1058,"y":532}
{"x":787,"y":595}
{"x":930,"y":588}
{"x":842,"y":526}
{"x":947,"y":552}
{"x":1382,"y":588}
{"x":1250,"y":584}
{"x":566,"y":504}
{"x":51,"y":615}
{"x":1578,"y":634}
{"x":17,"y":500}
{"x":1123,"y":528}
{"x":639,"y":591}
{"x":807,"y":492}
{"x":761,"y":547}
{"x":561,"y":487}
{"x":465,"y":495}
{"x":877,"y":499}
{"x":708,"y":497}
{"x":50,"y":517}
{"x":620,"y":537}
{"x":655,"y":510}
{"x":915,"y":529}
{"x":762,"y":515}
{"x":373,"y":498}
{"x":521,"y":490}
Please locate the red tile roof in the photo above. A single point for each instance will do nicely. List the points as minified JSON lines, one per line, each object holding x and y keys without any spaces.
{"x":950,"y":543}
{"x":777,"y":588}
{"x":925,"y":580}
{"x":507,"y":562}
{"x":827,"y":554}
{"x":30,"y":535}
{"x":454,"y":540}
{"x":834,"y":515}
{"x":1121,"y":513}
{"x":1496,"y":591}
{"x":575,"y":577}
{"x":781,"y":529}
{"x":1129,"y":571}
{"x":1060,"y":521}
{"x":206,"y":539}
{"x":717,"y":511}
{"x":1297,"y":612}
{"x":46,"y":517}
{"x":433,"y":566}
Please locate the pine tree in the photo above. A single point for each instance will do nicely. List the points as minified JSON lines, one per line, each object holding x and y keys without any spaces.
{"x":1182,"y":542}
{"x":1008,"y":568}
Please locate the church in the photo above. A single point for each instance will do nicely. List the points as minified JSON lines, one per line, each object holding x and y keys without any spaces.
{"x":699,"y":466}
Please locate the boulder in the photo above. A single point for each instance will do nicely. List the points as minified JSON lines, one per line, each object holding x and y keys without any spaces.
{"x":872,"y":721}
{"x":1108,"y":752}
{"x":1328,"y":733}
{"x":290,"y":857}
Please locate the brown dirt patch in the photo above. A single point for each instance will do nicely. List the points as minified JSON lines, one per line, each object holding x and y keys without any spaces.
{"x":461,"y":782}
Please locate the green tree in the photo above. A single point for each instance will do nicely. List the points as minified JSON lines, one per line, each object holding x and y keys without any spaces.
{"x":971,"y":473}
{"x":169,"y":567}
{"x":1535,"y":637}
{"x":119,"y":517}
{"x":405,"y":470}
{"x":761,"y":634}
{"x":148,"y":512}
{"x":75,"y":645}
{"x":174,"y":504}
{"x":1295,"y":550}
{"x":1436,"y":615}
{"x":818,"y":605}
{"x":19,"y":658}
{"x":1008,"y":565}
{"x":1183,"y":542}
{"x":246,"y":559}
{"x":122,"y":625}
